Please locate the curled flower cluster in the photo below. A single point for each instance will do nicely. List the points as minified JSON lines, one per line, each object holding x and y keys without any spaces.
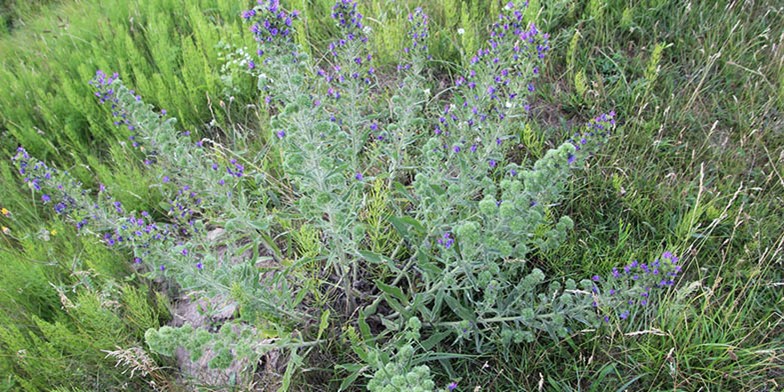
{"x":633,"y":285}
{"x":350,"y":22}
{"x":184,"y":208}
{"x":446,"y":240}
{"x":102,"y":83}
{"x":105,"y":90}
{"x":106,"y":216}
{"x":272,"y":23}
{"x":57,"y":188}
{"x":417,"y":49}
{"x":139,"y":233}
{"x":510,"y":24}
{"x":418,"y":31}
{"x":499,"y":80}
{"x":593,"y":135}
{"x":348,"y":18}
{"x":157,"y":132}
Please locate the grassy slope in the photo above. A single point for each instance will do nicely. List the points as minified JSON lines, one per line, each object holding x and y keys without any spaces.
{"x":695,"y":168}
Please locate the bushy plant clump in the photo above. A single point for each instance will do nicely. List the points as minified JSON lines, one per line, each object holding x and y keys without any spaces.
{"x":411,"y":224}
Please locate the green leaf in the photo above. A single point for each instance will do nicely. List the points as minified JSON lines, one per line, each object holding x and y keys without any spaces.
{"x":259,"y":225}
{"x":361,"y":352}
{"x":371,"y":256}
{"x":459,"y":309}
{"x":389,"y":325}
{"x":400,"y":188}
{"x":364,"y":327}
{"x":355,"y":370}
{"x":394,"y":304}
{"x":403,"y":223}
{"x":324,"y":324}
{"x":295,"y":361}
{"x":437,"y":189}
{"x":393,"y":291}
{"x":376,"y":258}
{"x":434,"y":339}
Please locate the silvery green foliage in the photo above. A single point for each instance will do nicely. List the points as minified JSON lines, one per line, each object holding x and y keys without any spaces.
{"x":322,"y":127}
{"x":471,"y":216}
{"x":468,"y":216}
{"x":399,"y":372}
{"x":398,"y":375}
{"x":202,"y":187}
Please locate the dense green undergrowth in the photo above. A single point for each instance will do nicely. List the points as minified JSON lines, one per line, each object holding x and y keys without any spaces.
{"x":695,"y":167}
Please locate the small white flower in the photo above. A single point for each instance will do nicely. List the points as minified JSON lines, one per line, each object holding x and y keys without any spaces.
{"x":427,"y":92}
{"x":460,"y":31}
{"x":367,"y":29}
{"x":508,"y":104}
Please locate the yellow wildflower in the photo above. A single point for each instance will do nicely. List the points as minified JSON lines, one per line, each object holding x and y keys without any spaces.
{"x":6,"y":230}
{"x":53,"y":232}
{"x":5,"y":211}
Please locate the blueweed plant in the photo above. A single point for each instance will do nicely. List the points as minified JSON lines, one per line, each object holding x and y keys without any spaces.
{"x":466,"y":215}
{"x":210,"y":236}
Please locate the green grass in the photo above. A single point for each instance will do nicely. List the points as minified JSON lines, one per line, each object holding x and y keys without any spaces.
{"x":697,"y":166}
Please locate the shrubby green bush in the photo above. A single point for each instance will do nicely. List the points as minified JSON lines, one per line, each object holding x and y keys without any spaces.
{"x":413,"y":223}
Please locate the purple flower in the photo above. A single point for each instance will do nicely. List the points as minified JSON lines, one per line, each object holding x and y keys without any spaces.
{"x":447,"y":241}
{"x":358,"y":176}
{"x":199,"y":265}
{"x":248,"y":14}
{"x":165,"y":179}
{"x":452,"y":386}
{"x":492,"y":163}
{"x":45,"y":198}
{"x":281,"y":134}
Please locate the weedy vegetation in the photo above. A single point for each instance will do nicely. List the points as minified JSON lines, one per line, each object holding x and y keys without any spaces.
{"x":392,"y":196}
